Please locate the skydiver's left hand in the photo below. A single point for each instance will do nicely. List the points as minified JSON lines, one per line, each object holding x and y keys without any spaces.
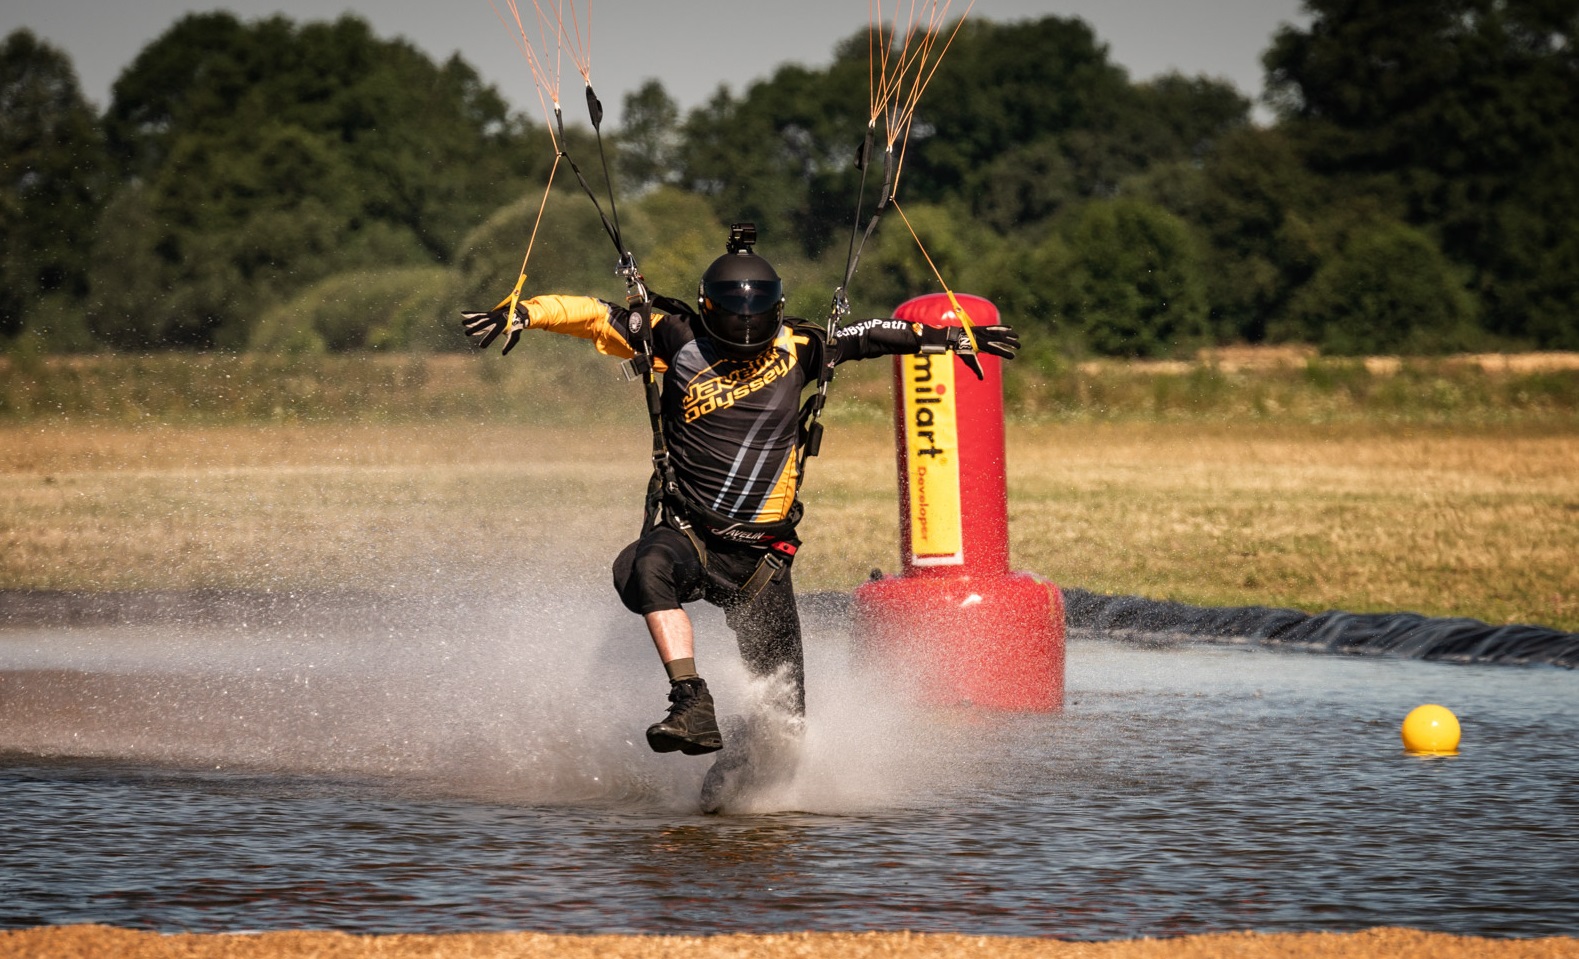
{"x":999,"y":340}
{"x":484,"y":328}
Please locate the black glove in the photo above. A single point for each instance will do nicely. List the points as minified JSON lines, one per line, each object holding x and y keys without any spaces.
{"x":484,"y":328}
{"x":999,"y":341}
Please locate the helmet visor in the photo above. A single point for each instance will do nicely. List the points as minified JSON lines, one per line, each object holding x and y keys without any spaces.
{"x":742,"y":316}
{"x":743,"y":298}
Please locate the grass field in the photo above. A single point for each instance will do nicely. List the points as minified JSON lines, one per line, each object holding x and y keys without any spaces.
{"x":1361,"y":511}
{"x":559,"y":380}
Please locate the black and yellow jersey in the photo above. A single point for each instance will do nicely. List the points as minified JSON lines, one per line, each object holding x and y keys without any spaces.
{"x":731,"y":425}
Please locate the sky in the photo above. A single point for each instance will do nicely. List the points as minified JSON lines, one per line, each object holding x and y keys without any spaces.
{"x":692,"y":46}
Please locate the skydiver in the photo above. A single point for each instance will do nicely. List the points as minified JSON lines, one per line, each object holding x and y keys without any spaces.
{"x":721,"y":527}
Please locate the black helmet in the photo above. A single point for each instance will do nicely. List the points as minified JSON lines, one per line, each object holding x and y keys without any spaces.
{"x":741,"y":299}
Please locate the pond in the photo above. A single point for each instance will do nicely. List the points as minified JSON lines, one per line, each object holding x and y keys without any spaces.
{"x":481,"y":767}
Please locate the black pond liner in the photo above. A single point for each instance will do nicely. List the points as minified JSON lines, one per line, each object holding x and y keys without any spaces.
{"x":1399,"y":635}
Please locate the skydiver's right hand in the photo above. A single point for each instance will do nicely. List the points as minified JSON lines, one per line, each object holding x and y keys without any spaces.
{"x":484,"y":328}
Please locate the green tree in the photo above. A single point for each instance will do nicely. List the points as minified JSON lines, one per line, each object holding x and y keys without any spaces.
{"x":1387,"y":289}
{"x":1254,"y":202}
{"x":262,"y":157}
{"x":894,"y":268}
{"x":1187,"y":116}
{"x":1130,"y":280}
{"x":53,"y":177}
{"x":1467,"y":108}
{"x":1057,"y":95}
{"x":677,"y":236}
{"x":1019,"y":121}
{"x":782,"y":154}
{"x":1026,"y":185}
{"x":399,"y":309}
{"x":230,"y":225}
{"x":1002,"y":85}
{"x":571,"y":253}
{"x":649,"y":139}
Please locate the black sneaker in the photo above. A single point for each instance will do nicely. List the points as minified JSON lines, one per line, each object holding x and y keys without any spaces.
{"x":691,"y":727}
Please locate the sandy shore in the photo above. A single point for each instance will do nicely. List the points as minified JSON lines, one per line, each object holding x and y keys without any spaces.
{"x":83,"y":942}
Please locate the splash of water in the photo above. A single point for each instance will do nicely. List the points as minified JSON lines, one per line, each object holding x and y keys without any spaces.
{"x":542,"y":701}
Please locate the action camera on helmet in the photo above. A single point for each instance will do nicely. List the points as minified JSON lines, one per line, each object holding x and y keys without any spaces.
{"x":742,"y":237}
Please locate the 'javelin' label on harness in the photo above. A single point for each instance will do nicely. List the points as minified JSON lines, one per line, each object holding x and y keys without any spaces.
{"x":932,"y":460}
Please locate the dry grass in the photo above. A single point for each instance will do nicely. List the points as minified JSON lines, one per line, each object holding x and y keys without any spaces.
{"x":1238,"y":359}
{"x":72,"y":942}
{"x":304,"y":507}
{"x":1479,"y":523}
{"x":1483,"y":524}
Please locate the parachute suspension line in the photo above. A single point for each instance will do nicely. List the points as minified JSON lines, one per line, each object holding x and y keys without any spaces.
{"x":560,"y":31}
{"x":895,"y":82}
{"x":906,"y":77}
{"x":611,"y":229}
{"x":913,"y":69}
{"x":595,"y":110}
{"x":545,"y":79}
{"x":552,"y":36}
{"x":896,"y":78}
{"x":582,"y":41}
{"x":557,"y":37}
{"x":532,"y":240}
{"x":959,"y":309}
{"x":520,"y":281}
{"x":544,"y":49}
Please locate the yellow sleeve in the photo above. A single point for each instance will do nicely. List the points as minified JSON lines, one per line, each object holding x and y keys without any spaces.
{"x":583,"y":316}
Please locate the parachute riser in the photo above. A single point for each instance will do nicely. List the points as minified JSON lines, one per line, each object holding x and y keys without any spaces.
{"x":638,"y":332}
{"x":839,"y":308}
{"x":595,"y":111}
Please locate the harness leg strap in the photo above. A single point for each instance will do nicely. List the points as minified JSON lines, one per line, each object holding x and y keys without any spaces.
{"x":767,"y":568}
{"x":679,"y":523}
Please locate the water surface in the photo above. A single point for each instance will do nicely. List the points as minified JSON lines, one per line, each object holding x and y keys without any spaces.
{"x":489,"y":774}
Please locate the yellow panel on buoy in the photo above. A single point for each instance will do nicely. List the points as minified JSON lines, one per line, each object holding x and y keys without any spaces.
{"x":1431,"y":729}
{"x":932,"y":433}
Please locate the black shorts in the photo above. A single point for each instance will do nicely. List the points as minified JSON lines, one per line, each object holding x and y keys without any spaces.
{"x":662,"y":570}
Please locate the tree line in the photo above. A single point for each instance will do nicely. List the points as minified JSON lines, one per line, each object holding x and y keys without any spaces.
{"x":275,"y":185}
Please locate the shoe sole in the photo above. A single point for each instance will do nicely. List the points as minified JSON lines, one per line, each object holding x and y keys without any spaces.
{"x":665,"y":742}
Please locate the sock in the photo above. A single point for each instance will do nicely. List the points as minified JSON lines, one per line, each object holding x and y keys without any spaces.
{"x":679,"y":669}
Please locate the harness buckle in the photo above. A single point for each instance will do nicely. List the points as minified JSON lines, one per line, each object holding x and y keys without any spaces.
{"x":635,"y":368}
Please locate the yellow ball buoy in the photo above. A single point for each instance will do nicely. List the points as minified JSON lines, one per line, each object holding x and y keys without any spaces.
{"x":1431,"y":729}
